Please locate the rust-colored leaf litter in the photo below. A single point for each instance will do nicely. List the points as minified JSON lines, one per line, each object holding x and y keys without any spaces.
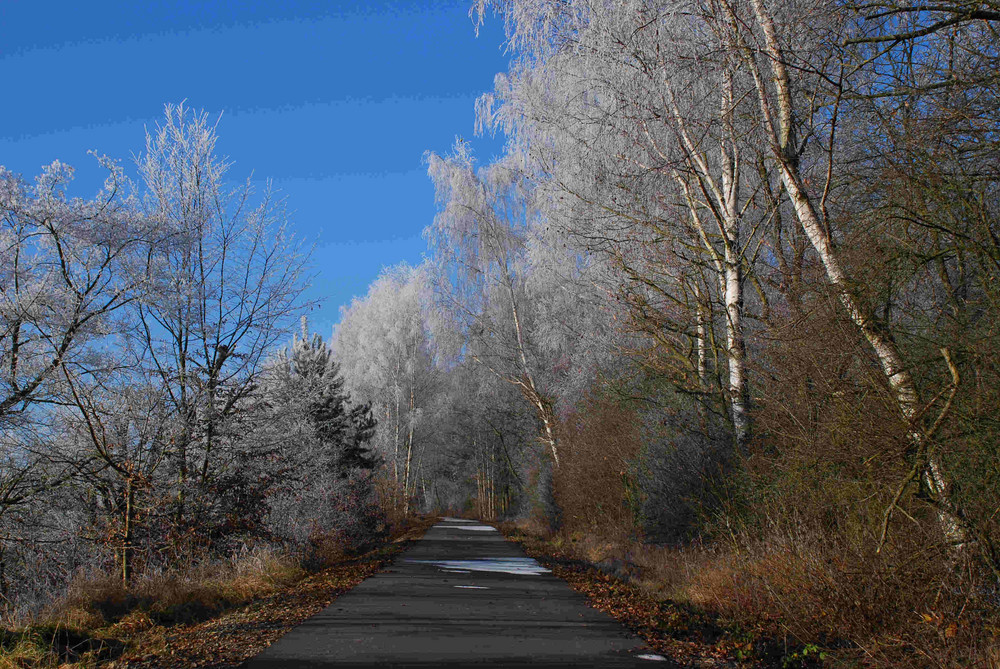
{"x":688,"y":636}
{"x":237,"y":635}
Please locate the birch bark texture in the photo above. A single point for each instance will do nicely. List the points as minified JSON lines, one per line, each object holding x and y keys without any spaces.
{"x":755,"y":37}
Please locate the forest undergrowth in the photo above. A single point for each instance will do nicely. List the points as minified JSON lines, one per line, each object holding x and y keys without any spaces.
{"x":215,"y":614}
{"x":770,"y":604}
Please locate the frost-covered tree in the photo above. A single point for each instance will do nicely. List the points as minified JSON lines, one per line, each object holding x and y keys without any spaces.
{"x":227,"y":284}
{"x":385,"y":348}
{"x":479,"y":241}
{"x":640,"y":152}
{"x":307,"y":373}
{"x":800,"y":87}
{"x":119,"y":426}
{"x":68,"y":267}
{"x":805,"y":150}
{"x":322,"y":446}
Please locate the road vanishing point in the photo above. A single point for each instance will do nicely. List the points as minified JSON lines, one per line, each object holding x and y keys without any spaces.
{"x":461,"y":596}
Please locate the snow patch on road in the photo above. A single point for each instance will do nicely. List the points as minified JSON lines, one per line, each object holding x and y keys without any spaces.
{"x":472,"y":528}
{"x":516,"y":566}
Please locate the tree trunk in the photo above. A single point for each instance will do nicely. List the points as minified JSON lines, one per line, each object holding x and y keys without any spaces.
{"x":395,"y":439}
{"x":781,"y":130}
{"x":722,"y":199}
{"x":126,"y":554}
{"x":701,"y":343}
{"x":409,"y":458}
{"x":736,"y":348}
{"x":542,"y":404}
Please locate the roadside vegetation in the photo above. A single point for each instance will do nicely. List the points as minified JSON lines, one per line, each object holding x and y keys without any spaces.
{"x":724,"y":315}
{"x":174,"y":441}
{"x":216,"y":614}
{"x":718,"y":606}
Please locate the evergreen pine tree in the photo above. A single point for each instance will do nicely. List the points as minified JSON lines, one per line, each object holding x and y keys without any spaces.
{"x":344,"y":431}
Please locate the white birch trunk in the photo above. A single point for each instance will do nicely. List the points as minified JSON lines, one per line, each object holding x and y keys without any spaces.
{"x":395,"y":438}
{"x":701,"y":335}
{"x":724,"y":194}
{"x":409,"y":458}
{"x":733,"y":272}
{"x":545,"y":412}
{"x":735,"y":347}
{"x":900,"y":381}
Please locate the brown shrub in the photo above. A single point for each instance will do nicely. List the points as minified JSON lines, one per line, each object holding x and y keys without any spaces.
{"x":803,"y":535}
{"x":799,"y":589}
{"x":593,"y":485}
{"x":869,"y":607}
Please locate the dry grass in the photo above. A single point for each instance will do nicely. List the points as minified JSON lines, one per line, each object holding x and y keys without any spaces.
{"x":179,"y":596}
{"x":793,"y":601}
{"x":203,"y":610}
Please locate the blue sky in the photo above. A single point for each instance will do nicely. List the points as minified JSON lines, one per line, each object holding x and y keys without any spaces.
{"x":336,"y":102}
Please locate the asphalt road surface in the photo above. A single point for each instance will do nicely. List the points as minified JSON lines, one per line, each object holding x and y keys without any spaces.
{"x":462,"y":596}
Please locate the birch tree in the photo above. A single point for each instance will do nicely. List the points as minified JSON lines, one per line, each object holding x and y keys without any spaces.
{"x":384,"y":344}
{"x":635,"y":112}
{"x":478,"y":241}
{"x":786,"y":115}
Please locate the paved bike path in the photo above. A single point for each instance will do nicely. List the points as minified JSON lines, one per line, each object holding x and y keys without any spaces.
{"x":461,"y":596}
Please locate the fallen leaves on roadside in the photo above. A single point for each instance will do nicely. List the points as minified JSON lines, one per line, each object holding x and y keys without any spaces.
{"x":237,"y":635}
{"x":680,"y":633}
